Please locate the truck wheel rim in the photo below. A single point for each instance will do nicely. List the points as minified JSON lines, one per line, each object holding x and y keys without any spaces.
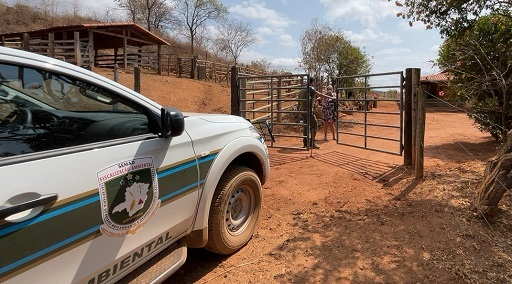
{"x":238,"y":210}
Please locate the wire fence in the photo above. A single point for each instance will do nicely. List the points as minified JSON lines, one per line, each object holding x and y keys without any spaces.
{"x":457,"y":141}
{"x":463,"y":183}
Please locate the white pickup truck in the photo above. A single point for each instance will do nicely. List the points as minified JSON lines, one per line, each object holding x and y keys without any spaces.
{"x":100,"y":184}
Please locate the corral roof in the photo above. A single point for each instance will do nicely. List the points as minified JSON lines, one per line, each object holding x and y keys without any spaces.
{"x":435,"y":78}
{"x":106,"y":35}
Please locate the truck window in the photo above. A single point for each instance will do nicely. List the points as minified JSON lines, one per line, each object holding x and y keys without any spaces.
{"x":41,"y":110}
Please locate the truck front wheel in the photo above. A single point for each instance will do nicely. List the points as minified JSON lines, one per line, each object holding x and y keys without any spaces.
{"x":234,"y":211}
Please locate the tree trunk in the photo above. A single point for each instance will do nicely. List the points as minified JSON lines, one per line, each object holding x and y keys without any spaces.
{"x":497,"y":180}
{"x":504,"y":113}
{"x":191,"y":42}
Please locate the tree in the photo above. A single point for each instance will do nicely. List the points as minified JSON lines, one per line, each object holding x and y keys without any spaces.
{"x":196,"y":13}
{"x":332,"y":51}
{"x":234,"y":36}
{"x":312,"y":48}
{"x":481,"y":64}
{"x":49,"y":8}
{"x":153,"y":14}
{"x":478,"y":37}
{"x":450,"y":16}
{"x":262,"y":65}
{"x":326,"y":51}
{"x":497,"y":181}
{"x":353,"y":60}
{"x":75,"y":8}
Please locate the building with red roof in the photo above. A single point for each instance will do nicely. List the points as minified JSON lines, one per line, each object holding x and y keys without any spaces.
{"x":436,"y":85}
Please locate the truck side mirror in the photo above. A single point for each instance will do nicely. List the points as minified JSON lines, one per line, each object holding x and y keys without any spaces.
{"x":172,"y":121}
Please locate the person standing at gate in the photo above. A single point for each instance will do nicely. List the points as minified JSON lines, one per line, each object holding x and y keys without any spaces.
{"x":308,"y":96}
{"x":329,"y":112}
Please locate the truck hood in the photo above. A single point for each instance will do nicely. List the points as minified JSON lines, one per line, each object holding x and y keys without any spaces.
{"x":216,"y":118}
{"x":214,"y":131}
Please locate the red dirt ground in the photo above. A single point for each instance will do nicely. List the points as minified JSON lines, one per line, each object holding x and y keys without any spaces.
{"x":345,"y":215}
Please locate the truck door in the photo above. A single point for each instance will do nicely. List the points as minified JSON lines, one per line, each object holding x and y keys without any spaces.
{"x":88,"y":190}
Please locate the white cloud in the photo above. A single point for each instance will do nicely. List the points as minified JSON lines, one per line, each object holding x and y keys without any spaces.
{"x":392,"y":51}
{"x":263,"y":33}
{"x":258,"y":11}
{"x":272,"y":25}
{"x":367,"y":12}
{"x":282,"y":63}
{"x":368,"y":37}
{"x":290,"y":64}
{"x":416,"y":26}
{"x":267,"y":35}
{"x":286,"y":40}
{"x":403,"y":58}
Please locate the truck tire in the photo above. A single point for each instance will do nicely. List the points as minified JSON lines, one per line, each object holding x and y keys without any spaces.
{"x":234,"y":211}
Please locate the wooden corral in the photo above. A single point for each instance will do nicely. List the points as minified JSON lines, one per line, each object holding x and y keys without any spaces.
{"x":125,"y":45}
{"x":92,"y":45}
{"x":263,"y":97}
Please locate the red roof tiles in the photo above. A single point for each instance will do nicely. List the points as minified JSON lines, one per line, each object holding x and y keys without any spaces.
{"x":439,"y":77}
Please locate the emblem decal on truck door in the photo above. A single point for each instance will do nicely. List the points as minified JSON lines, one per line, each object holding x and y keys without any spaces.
{"x":129,"y":196}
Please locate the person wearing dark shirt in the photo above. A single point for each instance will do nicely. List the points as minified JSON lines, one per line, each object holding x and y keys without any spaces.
{"x":308,"y":96}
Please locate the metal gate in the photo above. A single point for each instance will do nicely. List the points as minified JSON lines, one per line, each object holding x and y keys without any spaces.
{"x":370,"y":111}
{"x":270,"y":103}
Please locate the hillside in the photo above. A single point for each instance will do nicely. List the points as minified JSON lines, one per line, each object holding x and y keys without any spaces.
{"x":20,"y":17}
{"x":182,"y":93}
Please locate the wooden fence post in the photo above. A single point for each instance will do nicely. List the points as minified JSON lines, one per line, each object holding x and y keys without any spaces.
{"x":279,"y":103}
{"x":159,"y":56}
{"x":407,"y":110}
{"x":125,"y":52}
{"x":139,"y":57}
{"x":235,"y":96}
{"x":419,"y":124}
{"x":92,"y":51}
{"x":116,"y":55}
{"x":178,"y":67}
{"x":206,"y":71}
{"x":168,"y":65}
{"x":136,"y":79}
{"x":51,"y":45}
{"x":228,"y":78}
{"x":215,"y":72}
{"x":78,"y":53}
{"x":414,"y":119}
{"x":116,"y":73}
{"x":193,"y":67}
{"x":242,"y":91}
{"x":25,"y":42}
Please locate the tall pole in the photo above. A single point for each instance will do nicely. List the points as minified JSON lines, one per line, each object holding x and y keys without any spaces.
{"x":235,"y":96}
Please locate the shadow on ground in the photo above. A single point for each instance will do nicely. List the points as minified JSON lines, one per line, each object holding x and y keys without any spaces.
{"x":369,"y":169}
{"x":375,"y":245}
{"x":461,"y":151}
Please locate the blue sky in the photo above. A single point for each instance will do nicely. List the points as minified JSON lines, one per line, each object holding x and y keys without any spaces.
{"x":370,"y":24}
{"x":279,"y":24}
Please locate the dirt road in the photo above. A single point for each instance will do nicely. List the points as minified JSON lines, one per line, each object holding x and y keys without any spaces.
{"x":345,"y":215}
